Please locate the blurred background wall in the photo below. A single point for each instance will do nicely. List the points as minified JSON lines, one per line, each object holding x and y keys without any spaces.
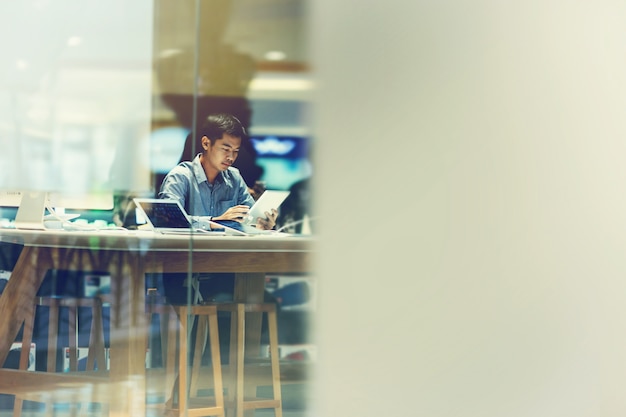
{"x":472,"y":196}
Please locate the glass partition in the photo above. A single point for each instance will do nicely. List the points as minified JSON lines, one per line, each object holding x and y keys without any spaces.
{"x":102,"y":100}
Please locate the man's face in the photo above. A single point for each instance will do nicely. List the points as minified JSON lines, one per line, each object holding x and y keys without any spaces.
{"x":223,"y":152}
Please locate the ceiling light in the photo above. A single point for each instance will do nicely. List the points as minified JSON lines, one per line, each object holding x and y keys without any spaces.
{"x":275,"y":55}
{"x":278,"y":84}
{"x":21,"y":64}
{"x":74,"y":41}
{"x":168,"y":53}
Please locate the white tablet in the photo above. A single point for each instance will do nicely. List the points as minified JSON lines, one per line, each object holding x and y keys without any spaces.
{"x":270,"y":199}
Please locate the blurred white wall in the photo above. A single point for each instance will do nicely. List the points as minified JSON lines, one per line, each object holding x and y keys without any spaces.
{"x":494,"y":133}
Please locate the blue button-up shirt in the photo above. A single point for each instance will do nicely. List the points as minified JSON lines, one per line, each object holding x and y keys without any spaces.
{"x":188,"y":184}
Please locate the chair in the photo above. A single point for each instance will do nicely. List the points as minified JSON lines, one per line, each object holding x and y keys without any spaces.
{"x":238,"y":356}
{"x":96,"y":358}
{"x":236,"y":373}
{"x":237,"y":399}
{"x":180,"y":318}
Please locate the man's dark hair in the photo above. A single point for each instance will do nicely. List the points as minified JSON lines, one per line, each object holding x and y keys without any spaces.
{"x":216,"y":125}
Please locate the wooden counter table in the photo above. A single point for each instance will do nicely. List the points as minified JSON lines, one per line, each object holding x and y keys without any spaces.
{"x":127,"y":256}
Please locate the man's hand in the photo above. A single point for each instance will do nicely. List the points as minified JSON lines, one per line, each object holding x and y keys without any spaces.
{"x":269,"y":222}
{"x":237,"y":213}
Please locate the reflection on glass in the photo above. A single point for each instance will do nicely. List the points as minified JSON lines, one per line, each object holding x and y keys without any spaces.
{"x":75,"y":88}
{"x":104,"y":97}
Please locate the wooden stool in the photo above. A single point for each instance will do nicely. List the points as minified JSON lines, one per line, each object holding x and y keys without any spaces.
{"x":96,"y":356}
{"x":236,"y":363}
{"x":188,"y":402}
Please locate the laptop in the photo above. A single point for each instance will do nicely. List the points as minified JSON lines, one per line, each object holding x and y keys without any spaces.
{"x":169,"y":217}
{"x":165,"y":216}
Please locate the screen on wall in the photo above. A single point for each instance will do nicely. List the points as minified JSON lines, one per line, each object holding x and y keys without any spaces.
{"x":285,"y":159}
{"x":75,"y":95}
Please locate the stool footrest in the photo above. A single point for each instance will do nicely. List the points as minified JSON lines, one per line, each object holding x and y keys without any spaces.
{"x":198,"y":406}
{"x":254,"y":403}
{"x":248,"y":307}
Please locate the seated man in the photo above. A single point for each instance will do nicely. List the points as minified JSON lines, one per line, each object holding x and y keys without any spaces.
{"x":210,"y":188}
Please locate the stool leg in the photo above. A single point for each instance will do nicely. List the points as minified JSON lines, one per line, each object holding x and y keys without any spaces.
{"x":72,"y":339}
{"x":232,"y":359}
{"x":53,"y":331}
{"x":275,"y":359}
{"x":17,"y":406}
{"x":73,"y":344}
{"x":95,"y":356}
{"x":27,"y":338}
{"x":170,"y":361}
{"x":150,"y":314}
{"x":216,"y":362}
{"x":201,"y":336}
{"x":182,"y":364}
{"x":164,"y":324}
{"x":96,"y":338}
{"x":241,"y":337}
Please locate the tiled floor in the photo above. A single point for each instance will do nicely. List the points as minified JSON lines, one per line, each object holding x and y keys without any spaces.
{"x":289,"y":410}
{"x":296,"y":390}
{"x":258,"y":413}
{"x":296,"y":398}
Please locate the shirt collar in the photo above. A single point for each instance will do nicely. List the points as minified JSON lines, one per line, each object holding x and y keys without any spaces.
{"x":200,"y":175}
{"x":198,"y":171}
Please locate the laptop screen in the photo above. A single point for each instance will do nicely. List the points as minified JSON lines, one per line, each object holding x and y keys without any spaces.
{"x":164,"y":214}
